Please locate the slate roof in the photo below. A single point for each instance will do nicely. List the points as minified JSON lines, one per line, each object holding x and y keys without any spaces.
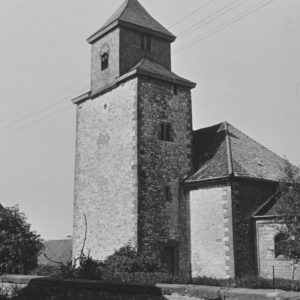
{"x":132,"y":13}
{"x":154,"y":69}
{"x":222,"y":150}
{"x":57,"y":250}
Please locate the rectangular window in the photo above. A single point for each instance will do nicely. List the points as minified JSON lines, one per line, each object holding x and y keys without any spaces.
{"x":169,"y":257}
{"x":146,"y":42}
{"x":168,"y":194}
{"x":165,"y":133}
{"x":104,"y":61}
{"x":175,"y":89}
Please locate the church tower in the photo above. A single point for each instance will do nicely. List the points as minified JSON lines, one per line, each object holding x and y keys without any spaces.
{"x":133,"y":144}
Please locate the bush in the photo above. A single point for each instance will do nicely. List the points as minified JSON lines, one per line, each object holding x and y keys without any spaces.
{"x":19,"y":245}
{"x":250,"y":282}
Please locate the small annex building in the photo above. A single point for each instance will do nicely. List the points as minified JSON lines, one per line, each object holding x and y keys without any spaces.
{"x":144,"y":176}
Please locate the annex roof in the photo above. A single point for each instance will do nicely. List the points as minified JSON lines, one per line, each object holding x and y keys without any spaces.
{"x":56,"y":250}
{"x":222,"y":150}
{"x":132,"y":14}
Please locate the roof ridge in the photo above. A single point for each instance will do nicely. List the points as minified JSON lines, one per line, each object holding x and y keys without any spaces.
{"x":228,"y":149}
{"x":125,"y":7}
{"x":261,"y":145}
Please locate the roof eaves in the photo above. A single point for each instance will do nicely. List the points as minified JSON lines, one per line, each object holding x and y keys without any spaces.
{"x":183,"y":82}
{"x":196,"y":182}
{"x":81,"y":98}
{"x":98,"y":34}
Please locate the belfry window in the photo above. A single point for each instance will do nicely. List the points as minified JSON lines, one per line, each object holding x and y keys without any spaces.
{"x":146,"y":42}
{"x":165,"y":131}
{"x":104,"y":61}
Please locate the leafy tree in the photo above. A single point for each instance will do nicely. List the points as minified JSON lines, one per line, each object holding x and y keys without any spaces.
{"x":288,"y":209}
{"x":19,"y":245}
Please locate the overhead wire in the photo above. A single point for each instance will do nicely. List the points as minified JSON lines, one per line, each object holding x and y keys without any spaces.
{"x":220,"y":12}
{"x":191,"y":29}
{"x":37,"y":120}
{"x":60,"y":101}
{"x":224,"y":25}
{"x":191,"y":13}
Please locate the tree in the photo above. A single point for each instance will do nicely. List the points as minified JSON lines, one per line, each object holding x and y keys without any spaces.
{"x":288,"y":210}
{"x":19,"y":245}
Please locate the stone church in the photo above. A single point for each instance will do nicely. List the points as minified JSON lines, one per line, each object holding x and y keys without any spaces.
{"x":144,"y":176}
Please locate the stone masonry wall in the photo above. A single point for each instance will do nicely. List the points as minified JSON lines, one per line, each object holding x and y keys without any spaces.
{"x":266,"y":231}
{"x":29,"y":288}
{"x":211,"y":232}
{"x":106,"y":171}
{"x":131,"y":52}
{"x":101,"y":79}
{"x":161,"y":164}
{"x":247,"y":196}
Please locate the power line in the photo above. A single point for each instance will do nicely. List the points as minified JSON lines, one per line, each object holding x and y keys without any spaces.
{"x":36,"y":121}
{"x":225,"y":25}
{"x":195,"y":26}
{"x":191,"y":13}
{"x":36,"y":112}
{"x":41,"y":100}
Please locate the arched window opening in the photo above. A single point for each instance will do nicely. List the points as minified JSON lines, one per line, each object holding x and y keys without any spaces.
{"x":282,"y":245}
{"x":104,"y":61}
{"x":104,"y":56}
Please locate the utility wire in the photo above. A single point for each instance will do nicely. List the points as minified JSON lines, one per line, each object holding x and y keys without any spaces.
{"x":36,"y":121}
{"x":225,"y":9}
{"x":225,"y":25}
{"x":188,"y":30}
{"x":4,"y":121}
{"x":42,"y":100}
{"x":212,"y":17}
{"x":36,"y":112}
{"x":191,"y":13}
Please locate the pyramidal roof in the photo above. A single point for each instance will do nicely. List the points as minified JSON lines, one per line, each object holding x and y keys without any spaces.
{"x":222,"y":150}
{"x":132,"y":14}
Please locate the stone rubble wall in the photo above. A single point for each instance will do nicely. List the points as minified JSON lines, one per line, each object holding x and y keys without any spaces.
{"x":42,"y":288}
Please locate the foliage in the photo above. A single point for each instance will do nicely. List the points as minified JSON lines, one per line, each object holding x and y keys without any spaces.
{"x":288,"y":210}
{"x":126,"y":264}
{"x":128,"y":260}
{"x":288,"y":207}
{"x":19,"y":245}
{"x":250,"y":282}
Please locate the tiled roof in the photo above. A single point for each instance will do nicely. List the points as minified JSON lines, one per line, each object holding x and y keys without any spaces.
{"x":56,"y":250}
{"x":222,"y":149}
{"x":131,"y":12}
{"x":151,"y":68}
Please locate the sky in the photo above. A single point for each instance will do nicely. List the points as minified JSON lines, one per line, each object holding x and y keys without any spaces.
{"x":244,"y":56}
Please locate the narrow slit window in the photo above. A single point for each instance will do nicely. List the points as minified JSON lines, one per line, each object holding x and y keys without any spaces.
{"x":146,"y":42}
{"x":168,"y":194}
{"x":165,"y":133}
{"x":104,"y":61}
{"x":175,"y":89}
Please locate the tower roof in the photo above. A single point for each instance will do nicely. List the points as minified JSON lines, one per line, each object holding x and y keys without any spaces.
{"x":132,"y":14}
{"x":222,"y":150}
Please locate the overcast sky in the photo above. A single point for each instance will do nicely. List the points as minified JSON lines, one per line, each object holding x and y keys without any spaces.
{"x":244,"y":57}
